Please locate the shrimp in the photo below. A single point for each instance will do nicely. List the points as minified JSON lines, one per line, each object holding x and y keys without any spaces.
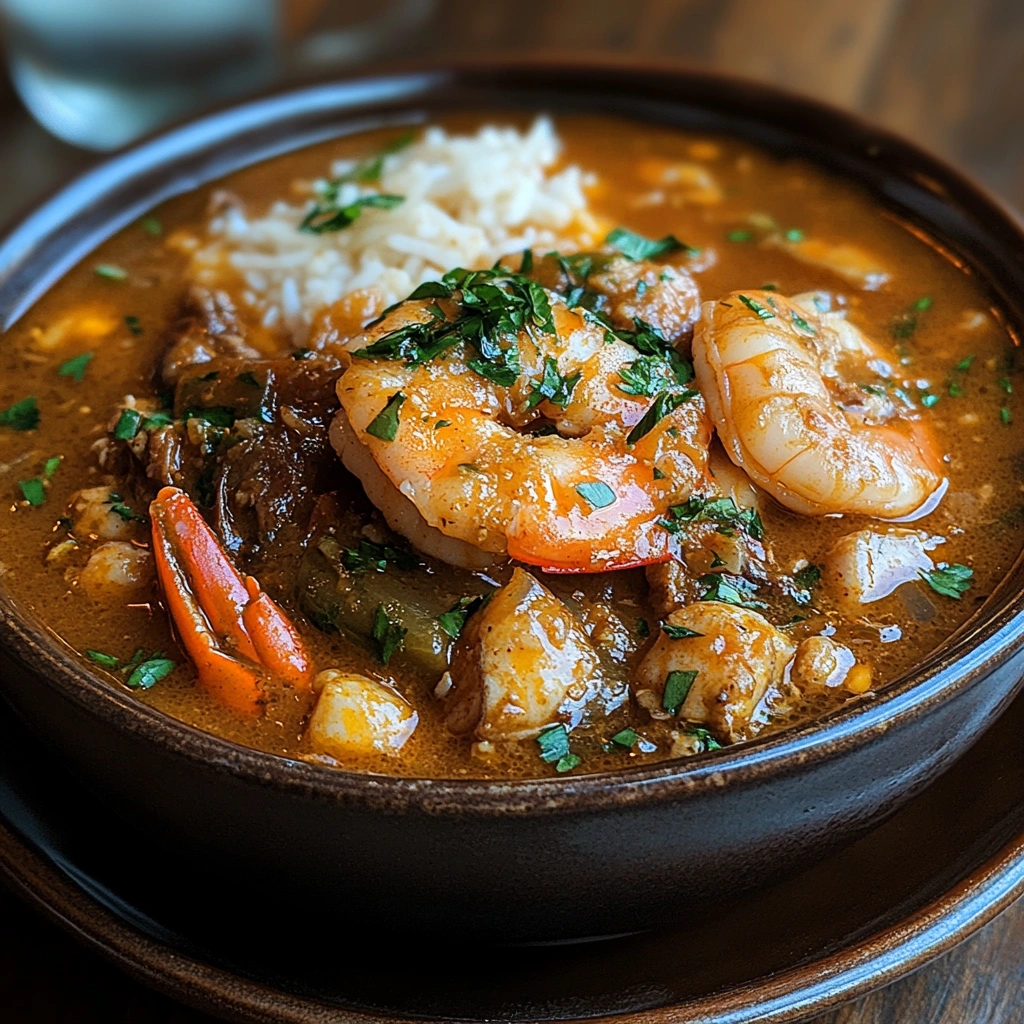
{"x":774,"y":375}
{"x":725,"y":667}
{"x":522,"y":428}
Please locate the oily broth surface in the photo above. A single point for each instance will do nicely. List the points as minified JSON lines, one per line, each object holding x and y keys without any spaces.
{"x":985,"y":452}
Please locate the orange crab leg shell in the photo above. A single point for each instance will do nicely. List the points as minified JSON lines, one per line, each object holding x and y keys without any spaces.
{"x":278,"y":644}
{"x":218,"y":587}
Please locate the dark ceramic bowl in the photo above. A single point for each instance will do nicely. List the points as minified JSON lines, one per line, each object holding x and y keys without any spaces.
{"x":513,"y":861}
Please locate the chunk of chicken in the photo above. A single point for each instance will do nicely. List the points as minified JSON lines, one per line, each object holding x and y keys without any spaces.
{"x":355,"y":716}
{"x":737,"y":658}
{"x":820,"y":663}
{"x":523,"y":662}
{"x":92,"y":516}
{"x":116,"y":567}
{"x":870,"y":564}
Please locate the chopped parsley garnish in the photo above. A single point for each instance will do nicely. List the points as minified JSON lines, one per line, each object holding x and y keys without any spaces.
{"x":794,"y":235}
{"x":677,"y":687}
{"x":626,"y":738}
{"x":636,"y":247}
{"x":388,"y":636}
{"x":369,"y":557}
{"x":552,"y":387}
{"x":110,"y":272}
{"x":133,"y":324}
{"x":156,"y":421}
{"x":149,"y":672}
{"x":652,"y":373}
{"x":75,"y":368}
{"x":51,"y":466}
{"x":928,"y":399}
{"x":643,"y":629}
{"x":665,"y":402}
{"x":385,"y":424}
{"x":554,"y":748}
{"x":950,"y":580}
{"x":904,"y":324}
{"x":1004,"y":383}
{"x":127,"y":425}
{"x":326,"y":216}
{"x":729,"y":589}
{"x":1005,"y":416}
{"x":151,"y":226}
{"x":596,"y":494}
{"x":965,"y":364}
{"x":23,"y":415}
{"x":215,"y":415}
{"x":808,"y":577}
{"x":678,"y":632}
{"x":105,"y":660}
{"x":756,"y":307}
{"x":801,"y":322}
{"x":955,"y":389}
{"x":723,"y":511}
{"x":33,"y":491}
{"x":704,"y":738}
{"x":740,"y":235}
{"x":453,"y":620}
{"x":119,"y":508}
{"x":493,"y":306}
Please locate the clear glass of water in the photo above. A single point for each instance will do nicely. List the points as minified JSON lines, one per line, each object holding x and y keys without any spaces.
{"x":99,"y":73}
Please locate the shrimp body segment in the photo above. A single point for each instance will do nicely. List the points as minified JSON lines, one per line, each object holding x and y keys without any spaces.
{"x":234,"y":633}
{"x":583,"y":495}
{"x":779,"y":382}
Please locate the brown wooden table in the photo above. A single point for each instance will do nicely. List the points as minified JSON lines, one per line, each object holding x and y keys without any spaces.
{"x":947,"y":73}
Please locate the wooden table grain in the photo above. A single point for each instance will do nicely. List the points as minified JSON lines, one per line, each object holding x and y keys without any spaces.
{"x":947,"y":73}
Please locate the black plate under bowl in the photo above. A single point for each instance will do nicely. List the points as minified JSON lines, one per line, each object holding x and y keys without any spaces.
{"x":945,"y":864}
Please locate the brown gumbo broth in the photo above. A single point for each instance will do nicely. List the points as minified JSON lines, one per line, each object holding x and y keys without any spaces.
{"x":253,"y":452}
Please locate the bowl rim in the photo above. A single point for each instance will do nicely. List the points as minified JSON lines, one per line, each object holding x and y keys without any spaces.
{"x":993,"y":634}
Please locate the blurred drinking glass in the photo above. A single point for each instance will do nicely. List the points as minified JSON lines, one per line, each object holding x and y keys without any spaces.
{"x":99,"y":73}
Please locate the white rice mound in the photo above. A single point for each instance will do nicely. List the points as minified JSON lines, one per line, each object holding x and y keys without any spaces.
{"x":469,"y":200}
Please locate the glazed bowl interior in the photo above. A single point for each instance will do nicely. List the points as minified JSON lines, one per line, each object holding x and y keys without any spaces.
{"x":969,"y":227}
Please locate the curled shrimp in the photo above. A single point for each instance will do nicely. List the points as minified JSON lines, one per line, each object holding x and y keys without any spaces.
{"x":778,"y":379}
{"x":545,"y":453}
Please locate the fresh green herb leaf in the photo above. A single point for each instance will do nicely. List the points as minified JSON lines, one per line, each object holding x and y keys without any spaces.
{"x":526,"y":265}
{"x":215,"y":415}
{"x":1005,"y":416}
{"x":665,"y":402}
{"x":965,"y":364}
{"x":626,"y":738}
{"x":904,"y":324}
{"x":567,"y":763}
{"x":369,"y":557}
{"x":552,"y":387}
{"x":554,"y":744}
{"x":678,"y":632}
{"x":33,"y":491}
{"x":75,"y":368}
{"x":133,"y":324}
{"x":643,"y":630}
{"x":157,"y":421}
{"x":950,"y":580}
{"x":125,"y":512}
{"x":801,"y":322}
{"x":596,"y":494}
{"x":151,"y":226}
{"x":385,"y":424}
{"x":657,"y":474}
{"x":302,"y":353}
{"x":453,"y":620}
{"x":794,"y":235}
{"x":150,"y":672}
{"x":740,"y":235}
{"x":127,"y":425}
{"x":388,"y":636}
{"x":955,"y":389}
{"x":326,"y":217}
{"x":756,"y":307}
{"x":636,"y":247}
{"x":1004,"y":383}
{"x":110,"y":272}
{"x":104,"y":660}
{"x":704,"y":738}
{"x":729,"y":589}
{"x":723,"y":511}
{"x":23,"y":415}
{"x":928,"y":400}
{"x":504,"y":376}
{"x":677,"y":687}
{"x":923,"y":303}
{"x":808,"y":577}
{"x":51,"y":466}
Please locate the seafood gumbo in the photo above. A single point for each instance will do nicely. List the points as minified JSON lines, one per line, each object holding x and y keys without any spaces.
{"x":510,"y":451}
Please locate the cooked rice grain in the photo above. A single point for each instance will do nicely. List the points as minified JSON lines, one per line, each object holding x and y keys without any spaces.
{"x":469,"y":199}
